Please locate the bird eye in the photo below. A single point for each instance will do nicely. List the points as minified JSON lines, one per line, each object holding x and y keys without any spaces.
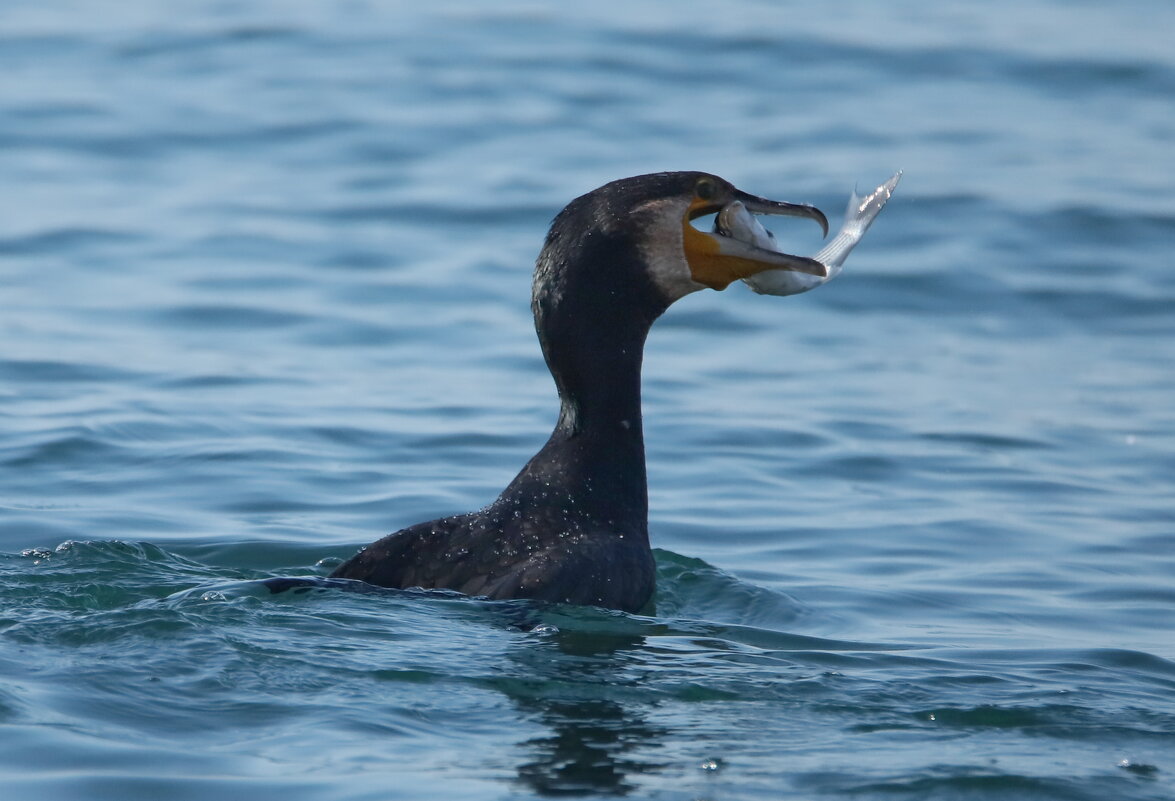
{"x":705,"y":189}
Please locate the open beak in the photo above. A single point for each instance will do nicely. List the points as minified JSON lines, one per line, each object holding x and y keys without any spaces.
{"x":717,"y":260}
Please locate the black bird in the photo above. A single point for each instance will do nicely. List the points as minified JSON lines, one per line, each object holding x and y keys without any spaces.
{"x":572,"y":527}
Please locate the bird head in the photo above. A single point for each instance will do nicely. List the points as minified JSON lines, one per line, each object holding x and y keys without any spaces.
{"x":651,"y":217}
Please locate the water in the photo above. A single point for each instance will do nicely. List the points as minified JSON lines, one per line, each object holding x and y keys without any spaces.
{"x":264,"y":272}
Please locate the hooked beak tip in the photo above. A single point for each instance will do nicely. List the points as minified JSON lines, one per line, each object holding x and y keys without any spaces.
{"x":820,"y":218}
{"x":761,"y":205}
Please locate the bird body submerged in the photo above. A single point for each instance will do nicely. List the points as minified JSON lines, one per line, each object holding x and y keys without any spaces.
{"x":572,"y":526}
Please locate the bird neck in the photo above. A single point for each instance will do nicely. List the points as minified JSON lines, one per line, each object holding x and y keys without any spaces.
{"x":593,"y":340}
{"x":599,"y":382}
{"x":596,"y":454}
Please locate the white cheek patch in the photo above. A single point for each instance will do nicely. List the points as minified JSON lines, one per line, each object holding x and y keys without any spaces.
{"x":663,"y":248}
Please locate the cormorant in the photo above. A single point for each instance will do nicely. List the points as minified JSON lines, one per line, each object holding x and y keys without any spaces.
{"x":572,"y":527}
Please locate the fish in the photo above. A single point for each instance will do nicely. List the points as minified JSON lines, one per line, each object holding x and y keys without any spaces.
{"x":736,"y":222}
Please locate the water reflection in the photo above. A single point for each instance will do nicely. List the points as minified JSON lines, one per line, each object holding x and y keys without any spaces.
{"x":584,"y":688}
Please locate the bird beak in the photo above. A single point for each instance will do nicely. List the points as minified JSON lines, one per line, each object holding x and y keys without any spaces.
{"x":717,"y":260}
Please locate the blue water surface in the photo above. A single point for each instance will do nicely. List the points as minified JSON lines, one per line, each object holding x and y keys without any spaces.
{"x":264,"y":297}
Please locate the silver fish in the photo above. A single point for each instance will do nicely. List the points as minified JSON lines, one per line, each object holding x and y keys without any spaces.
{"x":735,"y":221}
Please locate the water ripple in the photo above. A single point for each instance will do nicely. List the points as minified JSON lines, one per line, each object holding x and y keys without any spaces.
{"x":265,"y":297}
